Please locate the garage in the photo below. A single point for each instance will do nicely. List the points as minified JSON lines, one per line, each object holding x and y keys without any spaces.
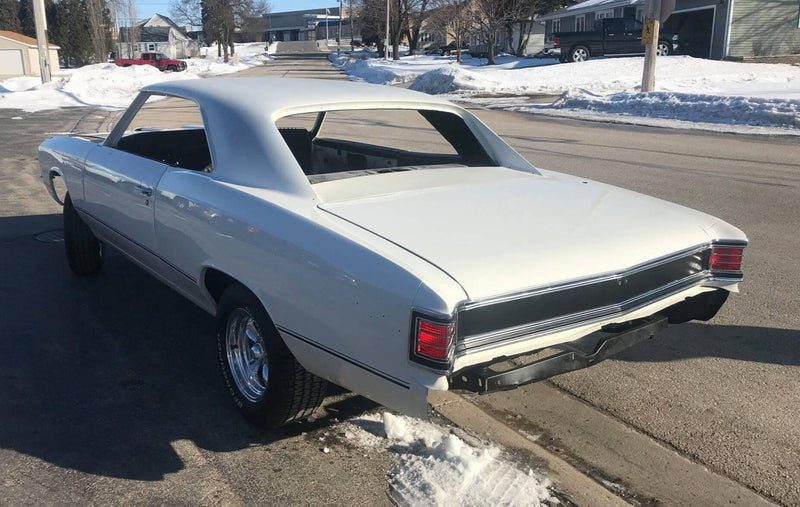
{"x":694,"y":28}
{"x":19,"y":55}
{"x":11,"y":62}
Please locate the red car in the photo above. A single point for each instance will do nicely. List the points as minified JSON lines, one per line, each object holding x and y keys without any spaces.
{"x":157,"y":60}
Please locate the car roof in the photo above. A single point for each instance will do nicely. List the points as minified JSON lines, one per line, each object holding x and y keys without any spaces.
{"x":269,"y":95}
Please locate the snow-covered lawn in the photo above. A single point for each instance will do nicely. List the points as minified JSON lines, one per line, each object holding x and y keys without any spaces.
{"x":109,"y":86}
{"x":437,"y":468}
{"x":706,"y":92}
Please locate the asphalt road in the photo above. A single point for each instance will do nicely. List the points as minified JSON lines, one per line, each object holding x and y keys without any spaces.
{"x":111,"y":391}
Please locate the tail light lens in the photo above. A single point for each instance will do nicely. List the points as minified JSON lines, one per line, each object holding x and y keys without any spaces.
{"x":555,"y":41}
{"x":726,"y":258}
{"x":433,"y":341}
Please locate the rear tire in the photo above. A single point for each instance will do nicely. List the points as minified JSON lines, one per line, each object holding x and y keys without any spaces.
{"x":84,"y":250}
{"x":662,"y":49}
{"x":267,"y":383}
{"x":579,"y":54}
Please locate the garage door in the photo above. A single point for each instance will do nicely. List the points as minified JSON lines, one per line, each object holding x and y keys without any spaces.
{"x":11,"y":62}
{"x":694,"y":30}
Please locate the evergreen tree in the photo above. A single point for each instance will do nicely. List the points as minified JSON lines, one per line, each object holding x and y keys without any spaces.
{"x":26,"y":18}
{"x":9,"y":15}
{"x":69,"y":28}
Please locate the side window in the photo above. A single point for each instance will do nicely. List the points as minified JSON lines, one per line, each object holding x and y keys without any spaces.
{"x":145,"y":57}
{"x":169,"y":130}
{"x":631,"y":25}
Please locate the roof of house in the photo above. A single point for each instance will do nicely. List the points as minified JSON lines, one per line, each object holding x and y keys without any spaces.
{"x":23,"y":39}
{"x":155,"y":33}
{"x":588,"y":6}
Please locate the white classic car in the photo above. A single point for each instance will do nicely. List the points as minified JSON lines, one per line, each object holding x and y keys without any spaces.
{"x":378,"y":238}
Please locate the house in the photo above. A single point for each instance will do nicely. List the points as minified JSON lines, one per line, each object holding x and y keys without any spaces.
{"x":158,"y":34}
{"x":19,"y":55}
{"x":307,"y":24}
{"x":710,"y":28}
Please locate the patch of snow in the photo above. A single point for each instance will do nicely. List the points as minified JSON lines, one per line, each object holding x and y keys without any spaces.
{"x":439,"y":468}
{"x":108,"y":86}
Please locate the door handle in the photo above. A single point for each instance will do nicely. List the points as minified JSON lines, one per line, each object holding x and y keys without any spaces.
{"x":146,"y":191}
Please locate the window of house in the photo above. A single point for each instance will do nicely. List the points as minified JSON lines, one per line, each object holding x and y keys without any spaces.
{"x":580,"y":23}
{"x":151,"y":47}
{"x":604,"y":14}
{"x":556,"y":25}
{"x":169,"y":130}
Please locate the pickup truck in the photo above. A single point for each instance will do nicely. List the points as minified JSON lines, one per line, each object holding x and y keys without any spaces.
{"x":611,"y":36}
{"x":157,"y":60}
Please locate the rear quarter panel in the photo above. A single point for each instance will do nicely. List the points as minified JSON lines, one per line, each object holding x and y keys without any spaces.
{"x":64,"y":156}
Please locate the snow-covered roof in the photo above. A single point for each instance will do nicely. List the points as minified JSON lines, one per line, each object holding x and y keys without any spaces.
{"x":589,"y":6}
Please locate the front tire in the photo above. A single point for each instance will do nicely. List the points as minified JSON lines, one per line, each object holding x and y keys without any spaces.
{"x":84,"y":251}
{"x":172,"y":68}
{"x":663,"y":48}
{"x":267,"y":383}
{"x":579,"y":54}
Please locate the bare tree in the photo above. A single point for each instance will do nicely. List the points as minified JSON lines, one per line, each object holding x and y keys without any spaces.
{"x":490,"y":17}
{"x":455,"y":19}
{"x":186,"y":12}
{"x":98,"y":28}
{"x":418,"y":11}
{"x":522,"y":16}
{"x":123,"y":15}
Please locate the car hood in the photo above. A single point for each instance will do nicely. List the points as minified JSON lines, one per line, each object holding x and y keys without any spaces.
{"x":497,"y":230}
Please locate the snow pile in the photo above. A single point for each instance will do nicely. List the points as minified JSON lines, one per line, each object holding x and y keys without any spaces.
{"x":438,"y":468}
{"x":379,"y":71}
{"x":755,"y":111}
{"x":101,"y":85}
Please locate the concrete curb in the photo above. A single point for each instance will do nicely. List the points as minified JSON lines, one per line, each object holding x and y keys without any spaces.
{"x":578,"y":487}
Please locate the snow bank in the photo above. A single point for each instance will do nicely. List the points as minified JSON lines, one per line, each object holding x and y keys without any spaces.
{"x":101,"y":85}
{"x":439,"y":468}
{"x":106,"y":85}
{"x":755,"y":111}
{"x":360,"y":67}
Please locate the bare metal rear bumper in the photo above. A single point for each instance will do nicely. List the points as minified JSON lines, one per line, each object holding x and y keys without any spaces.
{"x":602,"y":345}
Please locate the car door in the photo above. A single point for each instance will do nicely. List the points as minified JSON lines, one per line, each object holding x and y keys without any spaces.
{"x":119,"y":196}
{"x":632,"y":42}
{"x":614,"y":36}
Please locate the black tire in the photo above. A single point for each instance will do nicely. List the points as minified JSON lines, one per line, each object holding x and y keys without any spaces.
{"x":579,"y":54}
{"x":172,"y":68}
{"x":84,"y":250}
{"x":291,"y":393}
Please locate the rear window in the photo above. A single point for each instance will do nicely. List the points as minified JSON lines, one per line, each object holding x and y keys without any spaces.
{"x":342,"y":144}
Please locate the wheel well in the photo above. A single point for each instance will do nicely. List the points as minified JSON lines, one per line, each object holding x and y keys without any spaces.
{"x":215,"y":282}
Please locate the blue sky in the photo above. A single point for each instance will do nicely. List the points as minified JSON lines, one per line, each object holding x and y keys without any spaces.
{"x":146,"y":8}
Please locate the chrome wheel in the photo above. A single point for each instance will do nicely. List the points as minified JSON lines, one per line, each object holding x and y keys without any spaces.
{"x":662,"y":49}
{"x":580,"y":55}
{"x":247,"y":355}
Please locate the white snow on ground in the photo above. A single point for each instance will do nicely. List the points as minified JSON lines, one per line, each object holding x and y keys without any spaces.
{"x":707,"y":93}
{"x":108,"y":86}
{"x":439,"y":468}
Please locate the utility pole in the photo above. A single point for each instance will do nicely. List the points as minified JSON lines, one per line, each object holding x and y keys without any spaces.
{"x":656,"y":12}
{"x":339,"y":38}
{"x":386,"y":40}
{"x":350,"y":16}
{"x":41,"y":39}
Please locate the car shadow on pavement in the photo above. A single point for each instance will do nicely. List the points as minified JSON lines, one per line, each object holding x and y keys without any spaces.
{"x":696,"y":340}
{"x":103,"y":374}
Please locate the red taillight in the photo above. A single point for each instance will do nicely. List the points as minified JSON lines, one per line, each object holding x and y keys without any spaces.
{"x":433,"y":342}
{"x":556,"y":41}
{"x":726,"y":258}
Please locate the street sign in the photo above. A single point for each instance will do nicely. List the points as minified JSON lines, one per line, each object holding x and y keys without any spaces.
{"x":648,"y":31}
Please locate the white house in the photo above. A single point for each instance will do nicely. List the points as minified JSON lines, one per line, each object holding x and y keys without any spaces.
{"x":158,"y":34}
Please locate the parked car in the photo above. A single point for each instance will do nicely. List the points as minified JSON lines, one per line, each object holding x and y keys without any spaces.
{"x":452,"y":48}
{"x":157,"y":60}
{"x":611,"y":36}
{"x":332,"y":246}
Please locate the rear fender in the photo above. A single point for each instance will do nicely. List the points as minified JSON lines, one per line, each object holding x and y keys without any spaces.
{"x":64,"y":157}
